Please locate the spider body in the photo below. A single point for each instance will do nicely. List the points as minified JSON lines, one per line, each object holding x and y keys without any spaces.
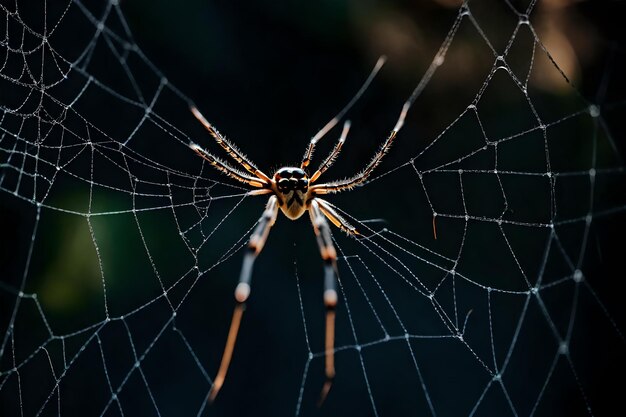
{"x":293,"y":191}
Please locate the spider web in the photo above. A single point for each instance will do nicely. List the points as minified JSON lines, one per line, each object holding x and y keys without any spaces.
{"x":120,"y":246}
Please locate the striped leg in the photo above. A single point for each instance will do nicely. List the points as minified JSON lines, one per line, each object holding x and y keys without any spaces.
{"x":242,"y":292}
{"x":329,"y":255}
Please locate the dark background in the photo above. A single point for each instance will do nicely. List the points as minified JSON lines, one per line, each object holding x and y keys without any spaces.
{"x":270,"y":74}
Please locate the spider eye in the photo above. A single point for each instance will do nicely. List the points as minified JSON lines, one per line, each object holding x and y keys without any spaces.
{"x":290,"y":184}
{"x":289,"y":179}
{"x":284,"y":184}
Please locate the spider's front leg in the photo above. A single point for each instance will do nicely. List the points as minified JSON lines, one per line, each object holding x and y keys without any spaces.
{"x":242,"y":292}
{"x":329,"y":255}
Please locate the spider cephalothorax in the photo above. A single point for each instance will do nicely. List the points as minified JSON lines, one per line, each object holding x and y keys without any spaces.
{"x":294,"y":192}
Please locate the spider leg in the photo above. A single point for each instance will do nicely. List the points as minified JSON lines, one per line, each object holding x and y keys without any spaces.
{"x":261,"y":191}
{"x":230,"y":149}
{"x":361,"y":177}
{"x":336,"y":218}
{"x":329,"y":255}
{"x":242,"y":292}
{"x":330,"y":159}
{"x":306,"y":160}
{"x":227,"y":169}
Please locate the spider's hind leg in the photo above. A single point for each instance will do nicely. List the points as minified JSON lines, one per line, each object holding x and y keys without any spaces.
{"x":242,"y":292}
{"x":336,"y":218}
{"x":329,"y":255}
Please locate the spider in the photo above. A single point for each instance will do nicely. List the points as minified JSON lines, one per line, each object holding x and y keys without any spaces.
{"x":293,"y":192}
